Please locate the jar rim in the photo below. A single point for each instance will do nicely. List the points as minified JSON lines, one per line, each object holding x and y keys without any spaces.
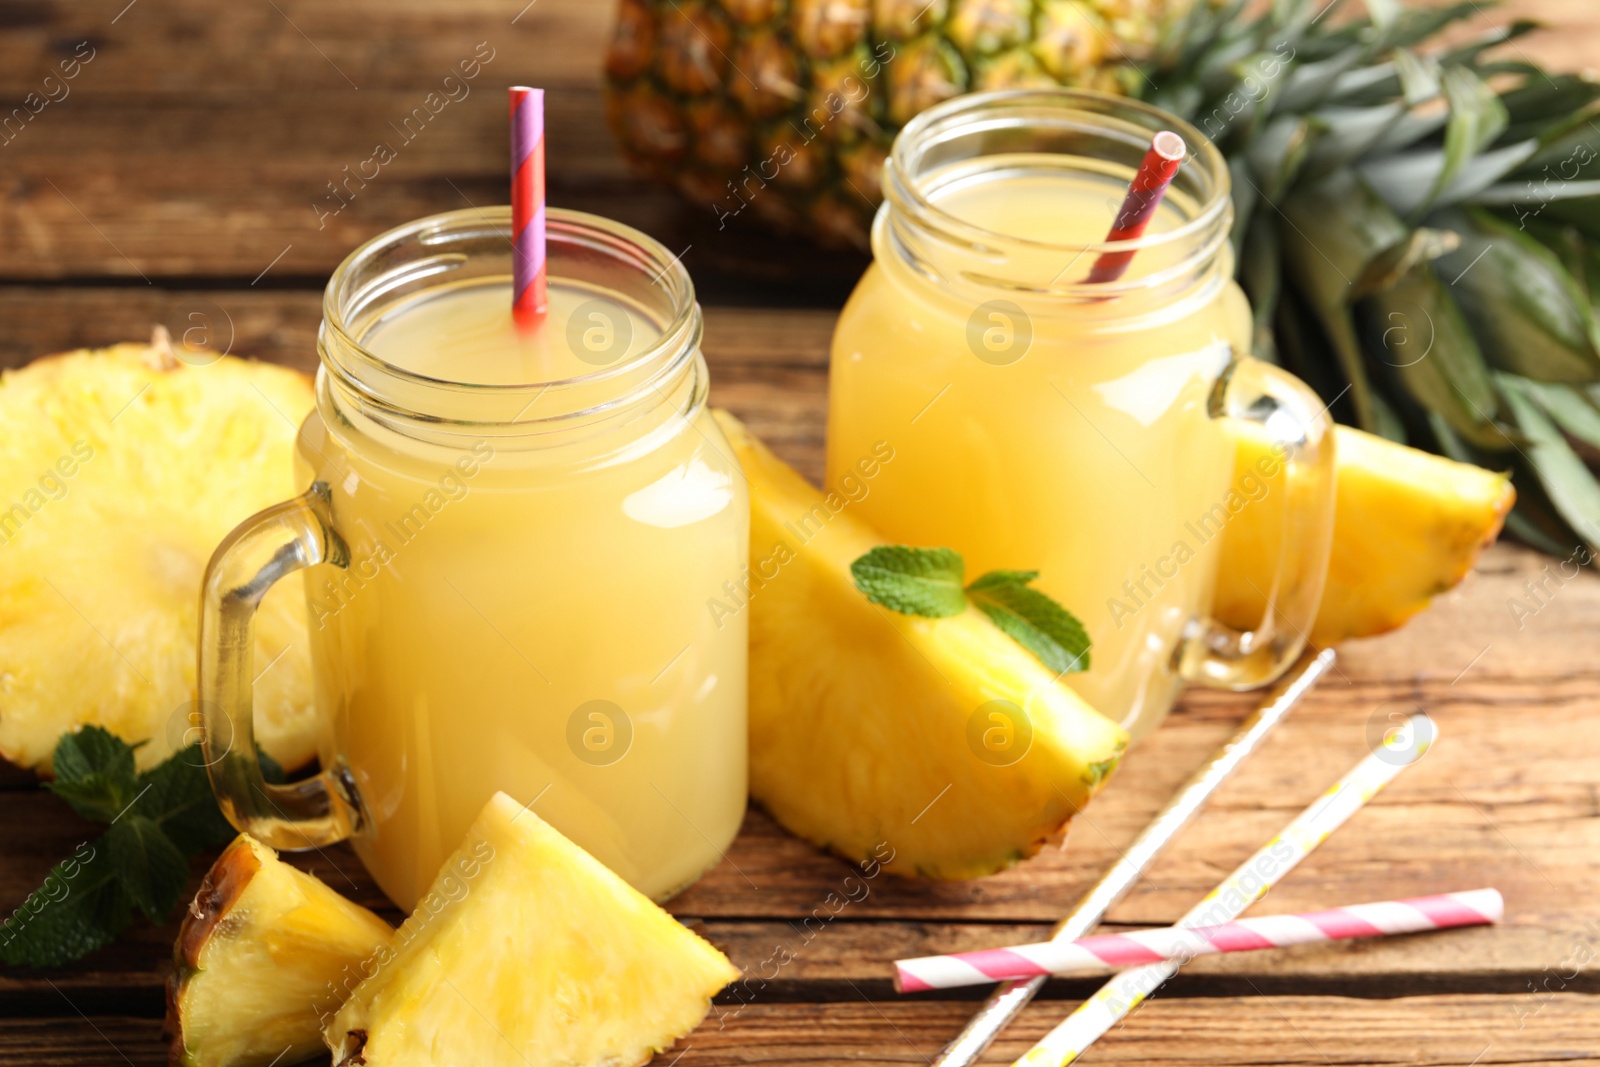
{"x":1104,"y":114}
{"x":361,"y":280}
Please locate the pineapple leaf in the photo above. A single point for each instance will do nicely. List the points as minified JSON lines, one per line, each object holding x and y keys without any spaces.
{"x":1032,"y":619}
{"x":1572,"y":411}
{"x":1279,"y":152}
{"x":1477,"y":117}
{"x":1530,"y":316}
{"x":1345,"y":133}
{"x":1336,"y":227}
{"x":1468,"y":52}
{"x":1560,"y":470}
{"x":1386,"y":269}
{"x":913,"y":581}
{"x":1416,"y":329}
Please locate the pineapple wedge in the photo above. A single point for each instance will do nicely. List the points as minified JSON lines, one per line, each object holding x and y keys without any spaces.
{"x":264,"y":956}
{"x":1408,"y":526}
{"x":528,"y":952}
{"x":938,"y":747}
{"x":120,"y":470}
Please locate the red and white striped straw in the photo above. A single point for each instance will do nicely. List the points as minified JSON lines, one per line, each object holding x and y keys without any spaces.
{"x":528,"y":297}
{"x":1113,"y":952}
{"x":1156,"y":171}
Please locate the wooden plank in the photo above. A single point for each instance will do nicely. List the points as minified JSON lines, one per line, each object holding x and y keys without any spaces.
{"x":184,"y":49}
{"x":1438,"y":1031}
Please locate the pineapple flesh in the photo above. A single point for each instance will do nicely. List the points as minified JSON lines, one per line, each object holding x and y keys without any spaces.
{"x":528,"y":952}
{"x":938,"y":747}
{"x":1408,"y":526}
{"x":265,"y":954}
{"x":120,"y":471}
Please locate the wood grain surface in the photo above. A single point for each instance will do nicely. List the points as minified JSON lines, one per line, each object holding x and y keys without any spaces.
{"x":183,"y":182}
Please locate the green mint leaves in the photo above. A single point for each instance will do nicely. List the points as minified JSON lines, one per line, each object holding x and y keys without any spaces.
{"x":1032,"y":619}
{"x":928,"y":582}
{"x":157,"y":820}
{"x":913,"y":581}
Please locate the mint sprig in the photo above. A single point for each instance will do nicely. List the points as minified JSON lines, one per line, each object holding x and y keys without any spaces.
{"x":928,"y":582}
{"x":157,"y":820}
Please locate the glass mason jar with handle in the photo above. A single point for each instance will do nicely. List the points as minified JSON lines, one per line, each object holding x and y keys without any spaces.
{"x":510,"y":540}
{"x":1044,"y":422}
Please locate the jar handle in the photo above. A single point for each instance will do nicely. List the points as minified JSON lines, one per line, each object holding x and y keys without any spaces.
{"x":1294,"y":421}
{"x":264,"y":548}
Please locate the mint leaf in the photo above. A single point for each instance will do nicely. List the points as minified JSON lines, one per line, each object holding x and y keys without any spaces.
{"x":158,"y":819}
{"x":79,"y":908}
{"x":148,"y":865}
{"x":912,"y":581}
{"x":94,"y":773}
{"x":1035,"y":621}
{"x":176,"y":794}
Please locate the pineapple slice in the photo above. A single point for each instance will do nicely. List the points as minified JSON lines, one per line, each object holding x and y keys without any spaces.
{"x":1408,"y":526}
{"x":937,"y":747}
{"x":264,"y":956}
{"x":528,"y":952}
{"x":120,"y":470}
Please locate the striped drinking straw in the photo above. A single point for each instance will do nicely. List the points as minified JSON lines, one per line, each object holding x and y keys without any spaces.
{"x":1248,"y":883}
{"x":1114,"y":952}
{"x":1156,"y":171}
{"x":528,"y":297}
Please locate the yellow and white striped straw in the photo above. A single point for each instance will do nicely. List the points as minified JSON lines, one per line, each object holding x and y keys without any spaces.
{"x":1112,"y":1002}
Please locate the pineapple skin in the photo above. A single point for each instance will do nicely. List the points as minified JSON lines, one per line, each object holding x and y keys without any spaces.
{"x":866,"y":725}
{"x":528,"y":952}
{"x":262,"y":957}
{"x":789,"y":109}
{"x":120,"y":471}
{"x":1408,"y":526}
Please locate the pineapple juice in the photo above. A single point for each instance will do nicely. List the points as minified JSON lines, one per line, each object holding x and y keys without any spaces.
{"x":1065,"y":433}
{"x":531,"y":620}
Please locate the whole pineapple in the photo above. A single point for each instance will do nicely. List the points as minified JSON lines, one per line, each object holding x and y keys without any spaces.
{"x":1418,"y":223}
{"x":788,"y":107}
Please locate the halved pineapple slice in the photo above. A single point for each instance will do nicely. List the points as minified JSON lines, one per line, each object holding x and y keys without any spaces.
{"x":264,"y":956}
{"x":528,"y":952}
{"x":1408,"y":526}
{"x":120,"y":470}
{"x":934,"y":746}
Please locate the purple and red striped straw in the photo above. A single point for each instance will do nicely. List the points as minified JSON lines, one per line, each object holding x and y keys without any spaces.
{"x":1113,"y":952}
{"x":529,"y":299}
{"x":1156,"y":171}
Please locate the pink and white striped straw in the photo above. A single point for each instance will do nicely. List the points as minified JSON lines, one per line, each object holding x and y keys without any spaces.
{"x":528,"y":296}
{"x":1113,"y":952}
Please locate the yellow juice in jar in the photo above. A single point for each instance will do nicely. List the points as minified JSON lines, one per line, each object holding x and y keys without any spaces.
{"x":1032,"y":431}
{"x":529,"y":615}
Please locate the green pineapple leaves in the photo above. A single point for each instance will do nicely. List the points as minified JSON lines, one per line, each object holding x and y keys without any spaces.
{"x":1418,"y":228}
{"x":928,"y":582}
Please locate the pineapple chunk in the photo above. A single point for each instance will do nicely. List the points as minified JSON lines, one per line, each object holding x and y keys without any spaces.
{"x":120,"y":470}
{"x":1408,"y":526}
{"x":265,"y":954}
{"x":528,"y":952}
{"x":894,"y":738}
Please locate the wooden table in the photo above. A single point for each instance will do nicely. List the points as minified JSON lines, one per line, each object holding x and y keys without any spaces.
{"x":180,"y":183}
